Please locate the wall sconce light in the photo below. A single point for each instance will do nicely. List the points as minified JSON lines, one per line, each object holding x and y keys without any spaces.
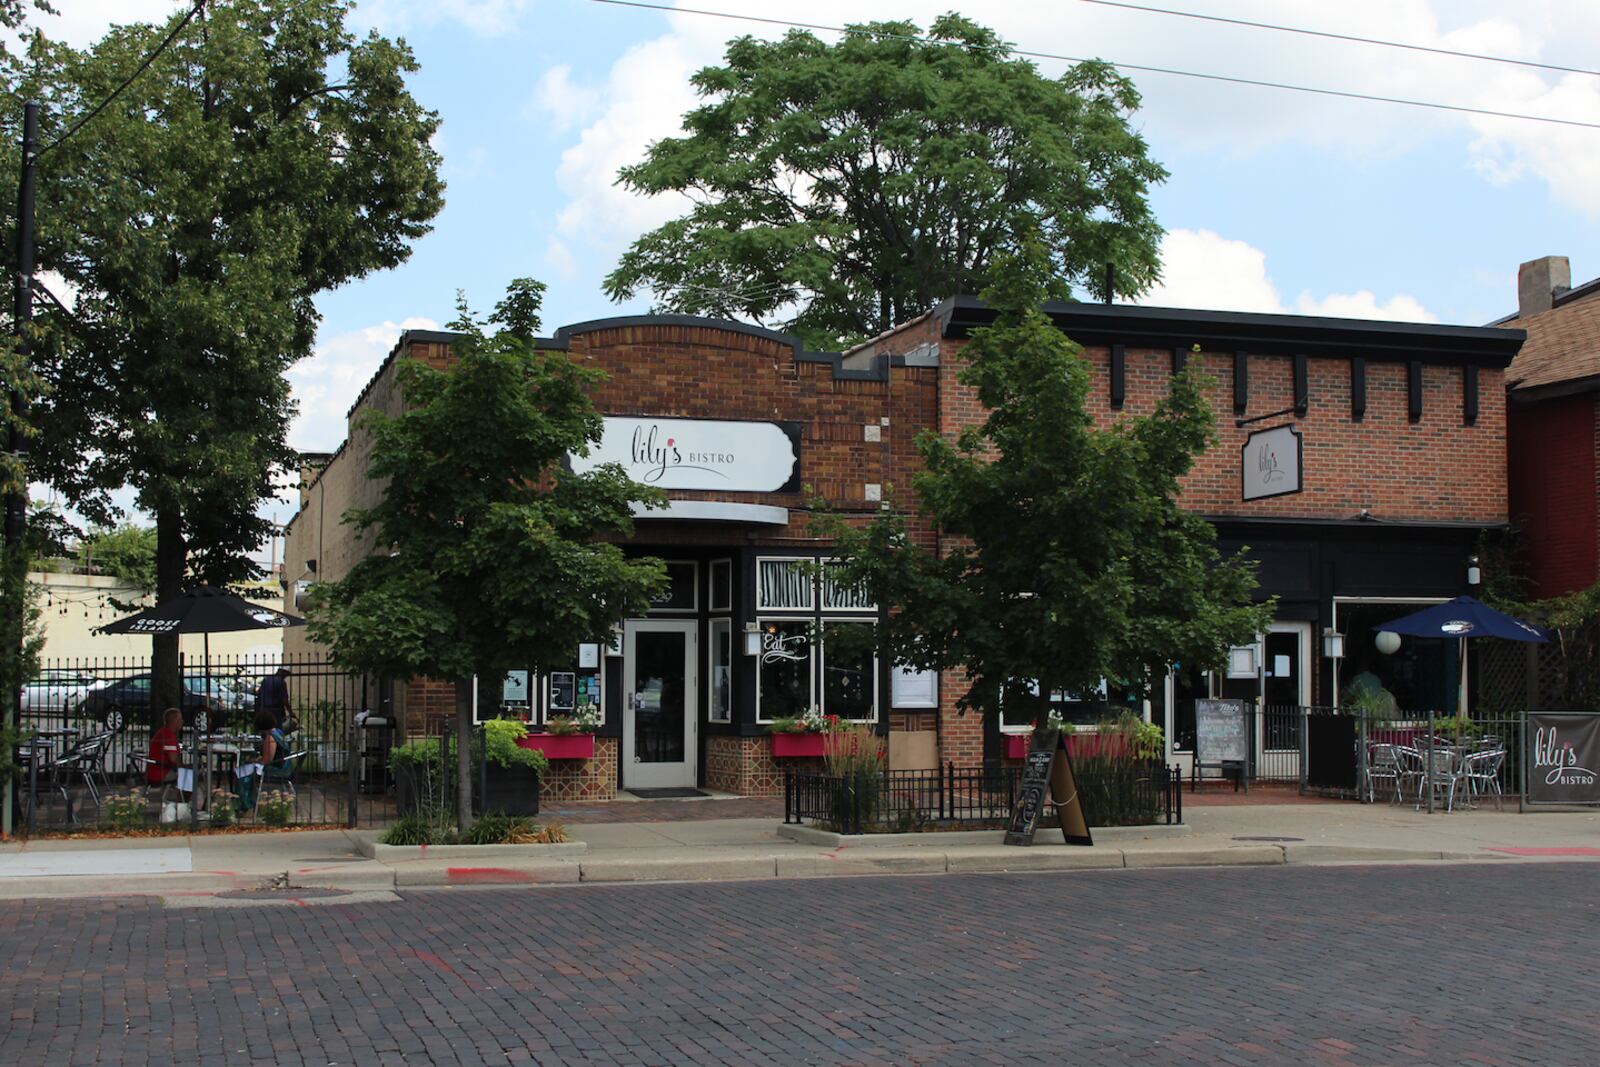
{"x":1332,"y":644}
{"x":1474,"y":575}
{"x":752,"y":639}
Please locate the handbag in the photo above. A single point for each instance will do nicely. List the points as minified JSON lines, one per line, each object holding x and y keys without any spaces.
{"x":174,"y":811}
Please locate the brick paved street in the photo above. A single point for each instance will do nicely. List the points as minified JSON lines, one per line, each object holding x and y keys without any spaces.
{"x":1406,"y":965}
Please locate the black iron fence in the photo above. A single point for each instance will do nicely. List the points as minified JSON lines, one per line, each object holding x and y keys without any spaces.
{"x":1359,"y":753}
{"x":91,"y":757}
{"x":1116,"y":792}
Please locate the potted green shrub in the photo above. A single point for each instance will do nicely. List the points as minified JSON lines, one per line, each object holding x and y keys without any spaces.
{"x":510,"y":782}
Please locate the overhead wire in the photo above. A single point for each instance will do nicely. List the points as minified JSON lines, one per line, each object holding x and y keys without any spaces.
{"x":1144,"y":68}
{"x":87,"y":117}
{"x":1331,"y":36}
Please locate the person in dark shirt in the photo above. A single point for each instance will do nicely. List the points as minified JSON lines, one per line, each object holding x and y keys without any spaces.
{"x":273,"y":696}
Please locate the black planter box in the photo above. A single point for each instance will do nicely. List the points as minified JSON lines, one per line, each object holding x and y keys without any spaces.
{"x":510,"y":791}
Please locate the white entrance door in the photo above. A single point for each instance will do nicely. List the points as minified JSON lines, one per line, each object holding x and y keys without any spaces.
{"x":660,"y":682}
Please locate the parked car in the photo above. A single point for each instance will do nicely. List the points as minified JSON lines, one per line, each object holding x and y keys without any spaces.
{"x":126,"y":700}
{"x":58,"y":689}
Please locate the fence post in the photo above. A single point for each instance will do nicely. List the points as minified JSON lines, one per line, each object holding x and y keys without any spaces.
{"x":33,"y":782}
{"x":1362,"y":784}
{"x":1522,"y":766}
{"x":352,"y":769}
{"x":1305,"y":745}
{"x":788,"y":795}
{"x":1428,"y":761}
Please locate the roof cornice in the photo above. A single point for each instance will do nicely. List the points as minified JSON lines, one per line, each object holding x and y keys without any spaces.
{"x":1232,"y":331}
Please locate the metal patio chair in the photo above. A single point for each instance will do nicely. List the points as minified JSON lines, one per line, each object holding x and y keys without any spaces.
{"x":1441,"y":773}
{"x":1383,"y":765}
{"x":1481,"y":773}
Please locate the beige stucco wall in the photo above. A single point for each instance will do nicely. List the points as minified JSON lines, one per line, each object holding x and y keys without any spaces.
{"x":318,"y":532}
{"x":74,"y":604}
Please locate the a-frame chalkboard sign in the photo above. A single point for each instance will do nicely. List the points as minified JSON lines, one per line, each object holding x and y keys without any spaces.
{"x":1048,"y":766}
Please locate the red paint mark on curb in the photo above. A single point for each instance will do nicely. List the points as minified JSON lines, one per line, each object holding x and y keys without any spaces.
{"x":481,"y":875}
{"x":1573,"y":851}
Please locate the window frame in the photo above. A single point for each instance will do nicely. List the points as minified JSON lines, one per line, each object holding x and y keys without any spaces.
{"x":712,"y":567}
{"x":821,"y":686}
{"x":694,"y":590}
{"x":811,"y":659}
{"x":824,"y":584}
{"x":811,"y":585}
{"x":711,"y":669}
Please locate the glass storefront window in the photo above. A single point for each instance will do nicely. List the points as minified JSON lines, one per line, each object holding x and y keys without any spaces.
{"x":783,"y":584}
{"x":836,"y":597}
{"x":849,"y":671}
{"x":720,"y":693}
{"x":1420,"y":675}
{"x":783,"y":673}
{"x":722,"y":585}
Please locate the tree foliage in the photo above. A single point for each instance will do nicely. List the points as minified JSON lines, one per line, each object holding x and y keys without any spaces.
{"x":265,"y":157}
{"x":127,"y":552}
{"x":839,"y":189}
{"x":1068,"y":558}
{"x":490,"y":555}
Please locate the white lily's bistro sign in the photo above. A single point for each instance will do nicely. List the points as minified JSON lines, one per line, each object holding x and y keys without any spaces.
{"x":741,"y":457}
{"x":1269,"y":463}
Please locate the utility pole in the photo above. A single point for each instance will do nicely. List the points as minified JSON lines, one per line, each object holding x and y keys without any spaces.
{"x":16,"y":500}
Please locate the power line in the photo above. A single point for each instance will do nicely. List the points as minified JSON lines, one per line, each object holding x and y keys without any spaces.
{"x":1230,"y":79}
{"x":145,"y":65}
{"x":1345,"y":37}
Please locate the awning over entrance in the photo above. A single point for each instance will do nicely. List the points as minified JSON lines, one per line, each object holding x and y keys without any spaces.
{"x":714,"y":511}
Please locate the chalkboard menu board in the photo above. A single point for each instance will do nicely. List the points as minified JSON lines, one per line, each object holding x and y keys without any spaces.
{"x":1048,"y":767}
{"x":1219,"y":729}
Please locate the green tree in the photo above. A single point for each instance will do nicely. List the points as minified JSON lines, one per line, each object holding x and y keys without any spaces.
{"x":1067,"y":556}
{"x":840,"y":189}
{"x":265,"y":157}
{"x":127,"y":552}
{"x":489,"y":554}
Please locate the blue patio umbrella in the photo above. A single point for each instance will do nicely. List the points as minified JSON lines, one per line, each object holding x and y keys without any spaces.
{"x":1464,"y":618}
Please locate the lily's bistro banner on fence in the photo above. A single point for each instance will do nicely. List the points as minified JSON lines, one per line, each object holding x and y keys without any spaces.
{"x":1563,"y":757}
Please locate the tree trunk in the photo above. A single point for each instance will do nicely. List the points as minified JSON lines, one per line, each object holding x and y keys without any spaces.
{"x":464,"y":769}
{"x":171,"y":559}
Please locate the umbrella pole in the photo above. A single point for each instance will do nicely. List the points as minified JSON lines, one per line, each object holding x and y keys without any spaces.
{"x":205,"y":641}
{"x":1461,"y":692}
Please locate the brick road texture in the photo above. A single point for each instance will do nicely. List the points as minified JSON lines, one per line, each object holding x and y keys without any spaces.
{"x":1480,"y":965}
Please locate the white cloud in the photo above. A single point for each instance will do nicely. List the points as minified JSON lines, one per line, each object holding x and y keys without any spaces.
{"x":1208,"y":272}
{"x":646,"y":91}
{"x":81,"y":23}
{"x":326,"y":384}
{"x":566,"y":103}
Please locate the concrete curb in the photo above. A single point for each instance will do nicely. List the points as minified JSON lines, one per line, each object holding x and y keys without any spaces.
{"x":1103,"y":835}
{"x":1234,"y":856}
{"x":404,"y":853}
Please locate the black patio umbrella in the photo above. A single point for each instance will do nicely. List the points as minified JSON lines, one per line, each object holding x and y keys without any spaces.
{"x":1465,"y":618}
{"x":202,"y":610}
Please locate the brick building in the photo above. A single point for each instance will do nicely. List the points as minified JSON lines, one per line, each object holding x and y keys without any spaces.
{"x":1552,"y":427}
{"x":1366,"y":460}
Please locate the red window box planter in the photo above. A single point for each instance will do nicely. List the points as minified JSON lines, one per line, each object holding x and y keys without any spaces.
{"x":1017,"y":745}
{"x":793,"y":745}
{"x":561,"y":746}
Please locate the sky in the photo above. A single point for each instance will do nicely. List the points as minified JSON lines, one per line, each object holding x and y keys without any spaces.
{"x":1277,"y":201}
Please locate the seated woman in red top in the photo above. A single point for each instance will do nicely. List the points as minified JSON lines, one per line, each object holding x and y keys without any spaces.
{"x":165,"y":749}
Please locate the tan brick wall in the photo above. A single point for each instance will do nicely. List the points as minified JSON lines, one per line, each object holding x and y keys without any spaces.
{"x":590,"y":779}
{"x":745,"y":765}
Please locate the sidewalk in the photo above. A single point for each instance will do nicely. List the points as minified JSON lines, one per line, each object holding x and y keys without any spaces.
{"x":745,"y":848}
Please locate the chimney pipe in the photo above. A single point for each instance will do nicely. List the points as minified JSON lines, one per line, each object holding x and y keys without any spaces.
{"x":1539,"y":282}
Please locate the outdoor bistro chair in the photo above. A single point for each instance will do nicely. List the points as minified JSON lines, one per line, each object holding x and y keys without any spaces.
{"x":281,"y":777}
{"x":1383,"y":765}
{"x":1481,"y":771}
{"x":1441,"y":772}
